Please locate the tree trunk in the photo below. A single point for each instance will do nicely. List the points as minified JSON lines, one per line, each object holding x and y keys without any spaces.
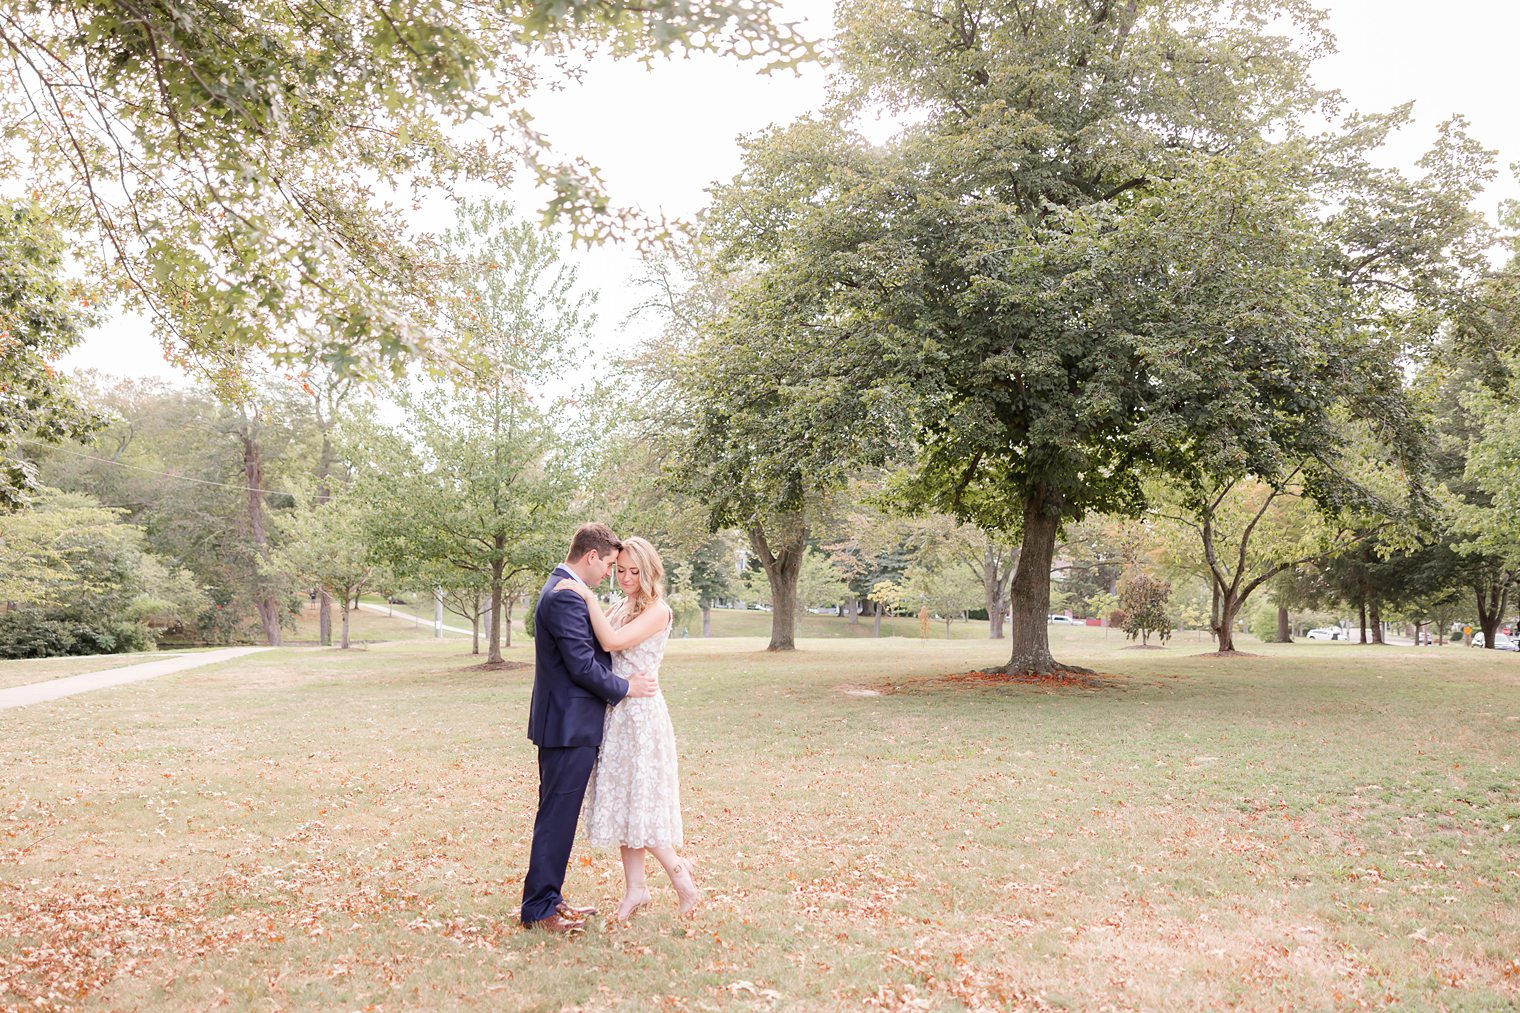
{"x":1363,"y":608}
{"x":1491,"y":602}
{"x":324,"y":619}
{"x":325,"y":401}
{"x":783,"y":610}
{"x":345,"y":624}
{"x":506,"y":619}
{"x":493,"y":631}
{"x":437,"y":613}
{"x":947,"y":629}
{"x":994,"y":591}
{"x":852,"y":609}
{"x":1031,"y":588}
{"x":1375,"y":616}
{"x":1284,"y":629}
{"x":1213,"y":607}
{"x":707,"y":619}
{"x":1225,"y":629}
{"x":876,"y":622}
{"x":266,"y":601}
{"x":782,"y":568}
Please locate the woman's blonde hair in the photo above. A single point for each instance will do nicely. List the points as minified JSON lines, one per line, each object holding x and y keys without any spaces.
{"x":651,"y":574}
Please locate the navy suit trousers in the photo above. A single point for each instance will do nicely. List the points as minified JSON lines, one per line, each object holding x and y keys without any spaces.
{"x":562,"y":776}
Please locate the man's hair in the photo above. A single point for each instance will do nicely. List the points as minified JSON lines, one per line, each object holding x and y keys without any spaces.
{"x":595,"y":537}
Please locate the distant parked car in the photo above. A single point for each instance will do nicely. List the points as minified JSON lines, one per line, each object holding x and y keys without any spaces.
{"x":825,"y":610}
{"x":1501,"y":642}
{"x":1064,"y":621}
{"x":1327,"y":633}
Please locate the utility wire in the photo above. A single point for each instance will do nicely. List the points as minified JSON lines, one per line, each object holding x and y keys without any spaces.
{"x":150,"y":471}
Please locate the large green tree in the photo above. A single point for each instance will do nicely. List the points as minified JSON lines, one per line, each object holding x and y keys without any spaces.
{"x":474,"y":483}
{"x":736,"y":426}
{"x":1109,"y":242}
{"x":1472,"y":385}
{"x":475,"y":479}
{"x":326,"y":546}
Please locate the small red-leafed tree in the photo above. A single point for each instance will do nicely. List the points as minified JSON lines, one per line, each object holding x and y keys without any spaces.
{"x":1143,"y":601}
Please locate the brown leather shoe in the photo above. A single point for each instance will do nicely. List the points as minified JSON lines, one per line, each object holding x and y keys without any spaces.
{"x":569,"y":910}
{"x":559,"y":925}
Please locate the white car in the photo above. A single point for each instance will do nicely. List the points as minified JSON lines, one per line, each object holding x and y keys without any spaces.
{"x":1501,"y":642}
{"x":1327,"y":633}
{"x":1064,"y":621}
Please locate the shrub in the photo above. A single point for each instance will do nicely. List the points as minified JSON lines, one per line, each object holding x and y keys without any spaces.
{"x":132,"y":637}
{"x":30,"y":635}
{"x":528,"y":620}
{"x":27,"y":634}
{"x":1264,"y":623}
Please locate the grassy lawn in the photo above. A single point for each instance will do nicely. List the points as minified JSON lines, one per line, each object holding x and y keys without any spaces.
{"x":1326,"y":826}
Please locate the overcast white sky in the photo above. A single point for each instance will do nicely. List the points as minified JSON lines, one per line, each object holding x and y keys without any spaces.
{"x":663,"y":135}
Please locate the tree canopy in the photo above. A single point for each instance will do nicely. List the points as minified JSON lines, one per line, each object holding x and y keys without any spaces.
{"x":246,"y":170}
{"x":1108,"y":243}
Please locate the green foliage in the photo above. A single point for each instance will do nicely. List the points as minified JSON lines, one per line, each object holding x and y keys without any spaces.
{"x":177,"y":459}
{"x":467,"y":492}
{"x":326,"y":545}
{"x":1067,"y":273}
{"x":473,"y":490}
{"x":42,"y":315}
{"x":1143,"y":601}
{"x":1264,"y":623}
{"x":1102,"y":605}
{"x":71,"y":560}
{"x":227,"y":156}
{"x":683,"y":600}
{"x":819,"y":583}
{"x":943,"y":587}
{"x":29,"y":634}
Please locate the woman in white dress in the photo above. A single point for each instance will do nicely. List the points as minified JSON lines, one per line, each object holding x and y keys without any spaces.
{"x":634,"y":798}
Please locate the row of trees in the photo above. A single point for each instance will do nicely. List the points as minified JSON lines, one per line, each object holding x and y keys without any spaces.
{"x":1066,"y":320}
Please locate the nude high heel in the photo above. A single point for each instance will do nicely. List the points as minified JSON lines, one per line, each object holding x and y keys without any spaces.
{"x":622,"y":916}
{"x":686,"y":888}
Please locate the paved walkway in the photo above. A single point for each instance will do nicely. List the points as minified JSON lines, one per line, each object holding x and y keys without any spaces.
{"x":386,"y":610}
{"x":53,"y":689}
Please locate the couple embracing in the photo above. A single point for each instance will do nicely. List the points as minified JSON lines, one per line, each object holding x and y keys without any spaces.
{"x":602,"y":730}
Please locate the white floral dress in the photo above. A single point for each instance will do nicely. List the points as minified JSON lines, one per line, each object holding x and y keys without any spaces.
{"x":634,"y":798}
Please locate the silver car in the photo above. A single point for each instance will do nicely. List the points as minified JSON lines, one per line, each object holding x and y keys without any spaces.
{"x":1501,"y":642}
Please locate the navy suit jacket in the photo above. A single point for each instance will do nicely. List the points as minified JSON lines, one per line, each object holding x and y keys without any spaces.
{"x":573,"y":684}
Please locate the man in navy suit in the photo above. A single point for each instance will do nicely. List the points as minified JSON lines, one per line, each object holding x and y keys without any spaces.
{"x":573,"y":686}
